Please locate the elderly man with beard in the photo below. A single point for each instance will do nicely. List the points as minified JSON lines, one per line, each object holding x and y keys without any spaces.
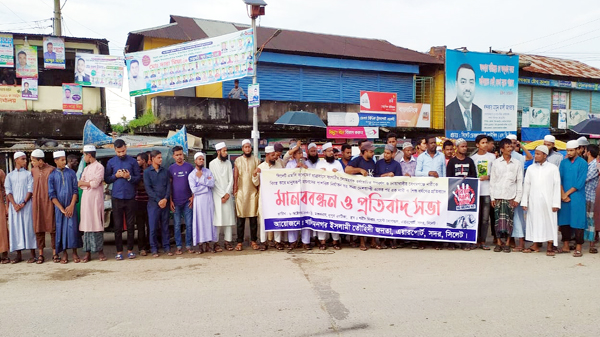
{"x":333,"y":165}
{"x":246,"y":195}
{"x":222,"y":191}
{"x":202,"y":182}
{"x":312,"y":156}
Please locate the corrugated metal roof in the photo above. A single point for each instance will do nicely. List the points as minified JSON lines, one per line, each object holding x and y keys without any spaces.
{"x":559,"y":67}
{"x":171,"y":31}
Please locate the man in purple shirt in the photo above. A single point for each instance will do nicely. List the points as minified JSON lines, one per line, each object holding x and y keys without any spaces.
{"x":181,"y":199}
{"x":408,"y":162}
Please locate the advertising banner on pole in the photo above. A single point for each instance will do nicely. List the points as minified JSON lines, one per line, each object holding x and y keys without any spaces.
{"x":10,"y":98}
{"x":361,"y":119}
{"x":7,"y":51}
{"x":103,"y":71}
{"x":190,"y":64}
{"x":427,"y":209}
{"x":29,"y":88}
{"x":253,"y":95}
{"x":27,"y":61}
{"x":352,"y":132}
{"x":535,"y":118}
{"x":54,"y":52}
{"x":413,"y":115}
{"x":377,"y":101}
{"x":481,"y":94}
{"x":72,"y":98}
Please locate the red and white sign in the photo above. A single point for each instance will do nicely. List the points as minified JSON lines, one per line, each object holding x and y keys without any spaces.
{"x":413,"y":115}
{"x":348,"y":132}
{"x":377,"y":101}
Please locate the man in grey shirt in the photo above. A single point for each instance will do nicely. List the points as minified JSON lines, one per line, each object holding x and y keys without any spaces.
{"x":236,"y":92}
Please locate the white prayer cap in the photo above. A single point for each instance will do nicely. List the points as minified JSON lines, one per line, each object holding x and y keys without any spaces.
{"x":269,"y":149}
{"x":198,"y":154}
{"x":37,"y":153}
{"x":550,"y":138}
{"x":311,"y":145}
{"x":512,"y":137}
{"x":246,"y":141}
{"x":406,"y":145}
{"x":326,"y":146}
{"x":220,"y":146}
{"x":89,"y":148}
{"x":572,"y":144}
{"x":59,"y":154}
{"x":542,"y":148}
{"x":19,"y":154}
{"x":583,"y":141}
{"x":459,"y":141}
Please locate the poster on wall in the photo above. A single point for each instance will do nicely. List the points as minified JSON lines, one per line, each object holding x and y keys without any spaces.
{"x":562,"y":119}
{"x":371,"y":101}
{"x":575,"y":117}
{"x":10,"y":98}
{"x":95,"y":70}
{"x":72,"y":98}
{"x":481,"y":94}
{"x":190,"y":64}
{"x":54,"y":52}
{"x":27,"y":61}
{"x":253,"y":95}
{"x":29,"y":88}
{"x":535,"y":118}
{"x":7,"y":56}
{"x":413,"y":115}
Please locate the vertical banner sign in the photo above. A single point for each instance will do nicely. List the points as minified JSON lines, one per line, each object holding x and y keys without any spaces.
{"x":27,"y":61}
{"x":481,"y":94}
{"x":54,"y":52}
{"x":428,"y":209}
{"x":377,"y":101}
{"x":253,"y":95}
{"x":562,"y":119}
{"x":95,"y":70}
{"x":413,"y":115}
{"x":7,"y":56}
{"x":190,"y":64}
{"x":72,"y":98}
{"x":29,"y":88}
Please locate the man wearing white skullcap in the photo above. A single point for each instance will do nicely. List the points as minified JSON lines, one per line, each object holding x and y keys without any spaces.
{"x":19,"y":190}
{"x":554,"y":156}
{"x":312,"y":156}
{"x":270,"y":163}
{"x":246,"y":196}
{"x":541,"y":200}
{"x":202,"y":182}
{"x":222,"y":196}
{"x":572,"y":215}
{"x":43,"y":209}
{"x":583,"y":143}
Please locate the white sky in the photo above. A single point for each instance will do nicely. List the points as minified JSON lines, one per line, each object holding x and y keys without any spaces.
{"x":551,"y":28}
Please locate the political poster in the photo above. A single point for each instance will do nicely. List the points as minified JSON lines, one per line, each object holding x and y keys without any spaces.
{"x":413,"y":115}
{"x":562,"y":119}
{"x":10,"y":98}
{"x":535,"y":118}
{"x":361,"y":119}
{"x":54,"y":52}
{"x":102,"y":71}
{"x":426,"y":209}
{"x":72,"y":98}
{"x":481,"y":94}
{"x":377,"y":101}
{"x":190,"y":64}
{"x":7,"y":51}
{"x":253,"y":95}
{"x":29,"y":88}
{"x":27,"y":61}
{"x":575,"y":117}
{"x":352,"y":132}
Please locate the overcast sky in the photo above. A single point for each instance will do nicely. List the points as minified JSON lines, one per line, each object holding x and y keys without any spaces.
{"x":552,"y":28}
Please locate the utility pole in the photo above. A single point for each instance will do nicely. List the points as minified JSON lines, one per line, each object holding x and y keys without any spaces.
{"x":57,"y":30}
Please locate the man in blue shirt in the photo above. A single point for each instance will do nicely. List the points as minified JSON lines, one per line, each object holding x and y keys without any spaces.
{"x":158,"y":188}
{"x":124,"y":173}
{"x":431,"y":163}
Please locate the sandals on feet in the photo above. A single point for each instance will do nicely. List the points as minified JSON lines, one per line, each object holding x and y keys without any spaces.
{"x":55,"y":259}
{"x":363,"y":248}
{"x":307,"y":246}
{"x":41,"y":260}
{"x":506,"y":249}
{"x":593,"y":250}
{"x":239,"y":247}
{"x":33,"y":260}
{"x":336,"y":245}
{"x":498,"y":249}
{"x":577,"y":253}
{"x":228,"y":246}
{"x":4,"y":260}
{"x":254,"y":245}
{"x":143,"y":253}
{"x":217,"y":248}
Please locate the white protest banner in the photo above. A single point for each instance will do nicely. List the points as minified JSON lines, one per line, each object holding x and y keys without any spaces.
{"x":95,"y":70}
{"x":429,"y":209}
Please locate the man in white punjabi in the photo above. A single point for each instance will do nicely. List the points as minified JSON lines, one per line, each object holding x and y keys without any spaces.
{"x":312,"y":156}
{"x":541,"y":201}
{"x":506,"y":190}
{"x":270,"y":163}
{"x":222,"y":196}
{"x":246,"y":196}
{"x":329,"y":164}
{"x":202,"y":182}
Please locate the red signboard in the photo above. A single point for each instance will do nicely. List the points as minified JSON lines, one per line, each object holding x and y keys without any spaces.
{"x":377,"y":101}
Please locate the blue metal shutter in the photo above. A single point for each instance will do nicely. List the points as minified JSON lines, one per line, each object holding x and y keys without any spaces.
{"x":542,"y":98}
{"x":524,"y":97}
{"x":596,"y":102}
{"x":321,"y":85}
{"x":402,"y":85}
{"x":580,"y":100}
{"x":355,"y":81}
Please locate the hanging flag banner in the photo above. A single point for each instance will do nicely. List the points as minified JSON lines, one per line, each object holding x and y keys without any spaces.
{"x":72,"y":98}
{"x":10,"y":98}
{"x":481,"y":94}
{"x":29,"y":88}
{"x":352,"y":132}
{"x":428,"y":209}
{"x":575,"y":117}
{"x":7,"y":56}
{"x":102,"y":71}
{"x":253,"y":95}
{"x":190,"y":64}
{"x":413,"y":115}
{"x":27,"y":61}
{"x":535,"y":118}
{"x":54,"y":52}
{"x":377,"y":101}
{"x":360,"y":119}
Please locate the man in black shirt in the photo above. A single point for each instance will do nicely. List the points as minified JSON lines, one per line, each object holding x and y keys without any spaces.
{"x":460,"y":165}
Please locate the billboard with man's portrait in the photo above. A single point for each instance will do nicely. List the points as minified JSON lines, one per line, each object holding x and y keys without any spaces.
{"x":54,"y":52}
{"x":481,"y":94}
{"x":27,"y":61}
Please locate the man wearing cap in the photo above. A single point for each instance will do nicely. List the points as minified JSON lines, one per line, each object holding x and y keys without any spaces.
{"x":246,"y":195}
{"x":158,"y":188}
{"x":222,"y":193}
{"x":63,"y":192}
{"x":363,"y":164}
{"x":19,"y":191}
{"x":182,"y":200}
{"x":92,"y":205}
{"x":519,"y":225}
{"x":431,"y":163}
{"x":541,"y":200}
{"x":554,"y":157}
{"x":312,"y":156}
{"x":387,"y":166}
{"x":201,"y":182}
{"x":43,"y":209}
{"x":270,"y":163}
{"x":329,"y":164}
{"x":460,"y":165}
{"x":408,"y":162}
{"x":393,"y":141}
{"x":583,"y":143}
{"x":571,"y":217}
{"x":4,"y":243}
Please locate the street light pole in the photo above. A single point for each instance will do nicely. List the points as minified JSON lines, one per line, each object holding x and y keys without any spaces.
{"x":255,"y":133}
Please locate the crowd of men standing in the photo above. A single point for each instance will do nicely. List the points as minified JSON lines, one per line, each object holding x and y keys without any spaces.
{"x":518,"y":202}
